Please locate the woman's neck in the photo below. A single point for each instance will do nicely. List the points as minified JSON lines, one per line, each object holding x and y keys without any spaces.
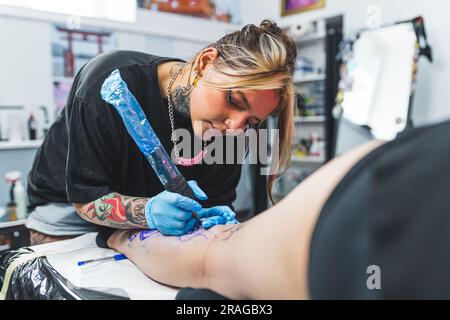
{"x":181,"y":87}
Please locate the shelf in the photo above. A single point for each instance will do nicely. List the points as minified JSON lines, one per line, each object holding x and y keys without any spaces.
{"x":4,"y":247}
{"x":11,"y":224}
{"x":147,"y":23}
{"x":310,"y":38}
{"x":314,"y":77}
{"x":11,"y":107}
{"x":311,"y":119}
{"x":313,"y":160}
{"x":25,"y":144}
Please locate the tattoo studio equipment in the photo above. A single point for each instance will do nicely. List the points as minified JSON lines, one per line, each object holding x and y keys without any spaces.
{"x":115,"y":92}
{"x":379,"y":74}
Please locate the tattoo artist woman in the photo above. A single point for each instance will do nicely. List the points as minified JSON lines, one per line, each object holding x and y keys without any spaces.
{"x":89,"y":171}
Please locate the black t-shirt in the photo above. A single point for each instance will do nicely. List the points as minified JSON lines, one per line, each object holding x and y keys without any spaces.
{"x":391,"y":211}
{"x":88,"y":152}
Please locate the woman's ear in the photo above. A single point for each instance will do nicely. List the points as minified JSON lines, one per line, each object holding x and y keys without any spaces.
{"x":206,"y":57}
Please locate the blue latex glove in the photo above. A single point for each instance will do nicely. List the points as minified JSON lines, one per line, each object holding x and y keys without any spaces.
{"x":217,"y":215}
{"x":171,"y":213}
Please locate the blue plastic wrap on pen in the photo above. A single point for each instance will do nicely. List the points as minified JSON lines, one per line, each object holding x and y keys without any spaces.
{"x":115,"y":92}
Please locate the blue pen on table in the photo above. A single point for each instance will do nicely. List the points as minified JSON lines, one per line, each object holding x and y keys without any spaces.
{"x":116,"y":257}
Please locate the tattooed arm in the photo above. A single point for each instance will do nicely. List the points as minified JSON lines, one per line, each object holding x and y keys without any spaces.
{"x":115,"y":211}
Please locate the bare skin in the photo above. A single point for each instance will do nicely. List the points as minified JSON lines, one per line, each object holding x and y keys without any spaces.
{"x":142,"y":246}
{"x":265,"y":258}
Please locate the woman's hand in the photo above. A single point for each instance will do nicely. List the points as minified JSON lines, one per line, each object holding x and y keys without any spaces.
{"x":217,"y":216}
{"x":172,"y":213}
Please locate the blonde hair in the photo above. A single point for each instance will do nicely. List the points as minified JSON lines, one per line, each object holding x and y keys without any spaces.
{"x":260,"y":58}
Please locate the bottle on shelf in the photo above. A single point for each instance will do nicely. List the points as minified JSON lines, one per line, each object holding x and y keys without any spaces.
{"x":11,"y":207}
{"x":46,"y":125}
{"x":17,"y":205}
{"x":20,"y":199}
{"x":316,"y":149}
{"x":32,"y":127}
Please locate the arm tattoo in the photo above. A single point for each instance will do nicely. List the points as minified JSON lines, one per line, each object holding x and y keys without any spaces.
{"x":135,"y":209}
{"x":117,"y":211}
{"x":181,"y":94}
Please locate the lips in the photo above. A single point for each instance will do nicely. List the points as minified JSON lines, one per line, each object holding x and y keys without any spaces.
{"x":211,"y":131}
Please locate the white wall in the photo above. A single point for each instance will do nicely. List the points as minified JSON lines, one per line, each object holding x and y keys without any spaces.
{"x":432,"y":102}
{"x":21,"y":78}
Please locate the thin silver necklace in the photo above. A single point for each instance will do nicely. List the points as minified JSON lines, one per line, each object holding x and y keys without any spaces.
{"x":173,"y":136}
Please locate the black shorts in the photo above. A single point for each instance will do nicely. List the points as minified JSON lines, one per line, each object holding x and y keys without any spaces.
{"x":385,"y":231}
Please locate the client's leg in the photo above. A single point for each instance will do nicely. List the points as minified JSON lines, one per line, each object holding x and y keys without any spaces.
{"x":265,"y":258}
{"x":176,"y":261}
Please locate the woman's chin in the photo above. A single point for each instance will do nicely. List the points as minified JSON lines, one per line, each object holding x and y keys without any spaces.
{"x":199,"y":135}
{"x":210,"y":133}
{"x":205,"y":130}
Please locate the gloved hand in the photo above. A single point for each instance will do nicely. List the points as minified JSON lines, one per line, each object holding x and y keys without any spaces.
{"x":217,"y":215}
{"x":171,"y":213}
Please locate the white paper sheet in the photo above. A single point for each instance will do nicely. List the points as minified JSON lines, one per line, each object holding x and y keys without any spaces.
{"x":64,"y":255}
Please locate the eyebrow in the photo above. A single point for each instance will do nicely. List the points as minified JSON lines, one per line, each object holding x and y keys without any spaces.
{"x":246,"y":103}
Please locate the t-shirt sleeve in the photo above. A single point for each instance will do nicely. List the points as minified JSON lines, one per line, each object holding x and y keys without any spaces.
{"x":93,"y":157}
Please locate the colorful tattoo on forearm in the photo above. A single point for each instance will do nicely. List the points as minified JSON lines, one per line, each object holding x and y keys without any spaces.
{"x":135,"y":211}
{"x":116,"y":210}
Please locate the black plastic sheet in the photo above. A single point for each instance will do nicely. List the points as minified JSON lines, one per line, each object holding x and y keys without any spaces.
{"x":36,"y":279}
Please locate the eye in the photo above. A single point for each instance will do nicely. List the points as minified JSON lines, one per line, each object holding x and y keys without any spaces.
{"x":232,"y":102}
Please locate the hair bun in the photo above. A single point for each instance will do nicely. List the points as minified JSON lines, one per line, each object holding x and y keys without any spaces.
{"x":271,"y":27}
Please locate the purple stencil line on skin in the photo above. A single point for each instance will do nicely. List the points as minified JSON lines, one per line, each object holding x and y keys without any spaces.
{"x":211,"y":233}
{"x":191,"y":235}
{"x":145,"y":234}
{"x":133,"y":235}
